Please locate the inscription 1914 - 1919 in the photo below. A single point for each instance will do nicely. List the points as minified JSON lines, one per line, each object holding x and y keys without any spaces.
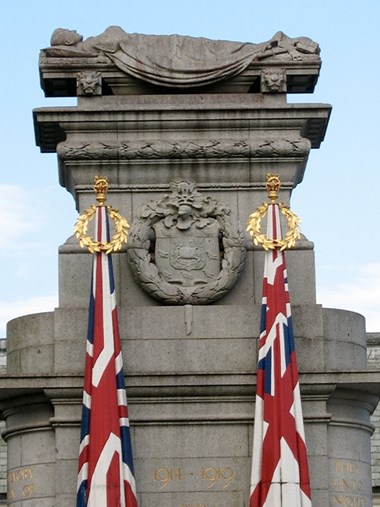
{"x":211,"y":476}
{"x":208,"y":477}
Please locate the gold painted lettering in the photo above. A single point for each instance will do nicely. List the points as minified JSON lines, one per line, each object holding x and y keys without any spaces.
{"x":166,"y":475}
{"x":348,"y":500}
{"x":28,"y":490}
{"x":341,"y":484}
{"x":19,"y":483}
{"x":19,"y":475}
{"x":346,"y":466}
{"x":215,"y":474}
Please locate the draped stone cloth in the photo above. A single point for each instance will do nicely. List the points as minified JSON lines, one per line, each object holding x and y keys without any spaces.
{"x":182,"y":61}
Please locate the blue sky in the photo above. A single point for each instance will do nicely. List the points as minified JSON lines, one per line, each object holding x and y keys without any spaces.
{"x":338,"y":202}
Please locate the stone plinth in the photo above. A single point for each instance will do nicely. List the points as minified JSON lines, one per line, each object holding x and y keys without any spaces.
{"x":190,"y":368}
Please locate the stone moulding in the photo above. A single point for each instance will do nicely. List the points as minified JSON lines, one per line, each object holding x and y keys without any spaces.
{"x":189,"y":230}
{"x":157,"y":149}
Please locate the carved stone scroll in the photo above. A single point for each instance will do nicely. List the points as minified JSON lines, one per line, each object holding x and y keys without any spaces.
{"x":185,"y":249}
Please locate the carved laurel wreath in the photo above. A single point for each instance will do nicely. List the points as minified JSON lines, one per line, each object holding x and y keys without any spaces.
{"x":146,"y":271}
{"x":120,"y":236}
{"x":290,"y":238}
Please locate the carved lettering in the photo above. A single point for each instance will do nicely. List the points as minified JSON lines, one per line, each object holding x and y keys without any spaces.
{"x":348,"y":500}
{"x":215,"y":474}
{"x":19,"y":475}
{"x":341,"y":484}
{"x":19,"y":483}
{"x":11,"y":495}
{"x":209,"y":476}
{"x":166,"y":475}
{"x":348,"y":487}
{"x":346,"y":466}
{"x":28,"y":490}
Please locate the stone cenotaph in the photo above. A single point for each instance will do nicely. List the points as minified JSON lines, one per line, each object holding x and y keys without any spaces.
{"x":186,"y":130}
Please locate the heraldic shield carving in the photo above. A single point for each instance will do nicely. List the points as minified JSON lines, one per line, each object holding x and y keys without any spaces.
{"x":184,"y":248}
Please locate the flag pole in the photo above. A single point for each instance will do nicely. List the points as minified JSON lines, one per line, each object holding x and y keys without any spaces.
{"x":105,"y":465}
{"x":280,"y":473}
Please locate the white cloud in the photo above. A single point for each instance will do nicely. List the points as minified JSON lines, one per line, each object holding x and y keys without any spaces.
{"x":359,"y":293}
{"x":12,"y":309}
{"x":20,"y":216}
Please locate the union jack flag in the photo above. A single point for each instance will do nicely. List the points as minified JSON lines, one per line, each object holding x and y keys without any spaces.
{"x":105,"y":470}
{"x":280,"y":474}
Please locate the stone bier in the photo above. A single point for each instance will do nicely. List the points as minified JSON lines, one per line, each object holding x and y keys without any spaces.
{"x":186,"y":130}
{"x":177,"y":62}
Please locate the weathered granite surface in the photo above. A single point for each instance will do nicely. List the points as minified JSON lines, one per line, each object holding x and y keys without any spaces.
{"x":190,"y":368}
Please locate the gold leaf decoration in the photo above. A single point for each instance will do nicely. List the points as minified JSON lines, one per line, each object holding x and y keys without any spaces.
{"x":290,"y":238}
{"x":117,"y":240}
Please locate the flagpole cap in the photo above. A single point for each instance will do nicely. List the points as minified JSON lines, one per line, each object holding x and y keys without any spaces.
{"x":101,"y":189}
{"x":273,"y":186}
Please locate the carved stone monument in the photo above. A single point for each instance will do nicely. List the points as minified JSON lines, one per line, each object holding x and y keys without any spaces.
{"x":186,"y":131}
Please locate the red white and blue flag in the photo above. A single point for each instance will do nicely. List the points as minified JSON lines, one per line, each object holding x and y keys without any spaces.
{"x":280,"y":474}
{"x":105,"y":471}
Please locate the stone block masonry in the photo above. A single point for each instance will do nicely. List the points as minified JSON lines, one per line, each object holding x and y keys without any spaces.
{"x":186,"y":163}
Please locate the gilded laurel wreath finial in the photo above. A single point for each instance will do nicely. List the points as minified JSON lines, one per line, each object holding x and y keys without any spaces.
{"x":121,"y":224}
{"x":254,"y":222}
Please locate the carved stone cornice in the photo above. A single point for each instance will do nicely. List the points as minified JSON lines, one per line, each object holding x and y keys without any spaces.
{"x":202,"y":120}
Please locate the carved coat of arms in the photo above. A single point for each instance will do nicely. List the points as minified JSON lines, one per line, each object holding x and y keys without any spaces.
{"x":184,"y":248}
